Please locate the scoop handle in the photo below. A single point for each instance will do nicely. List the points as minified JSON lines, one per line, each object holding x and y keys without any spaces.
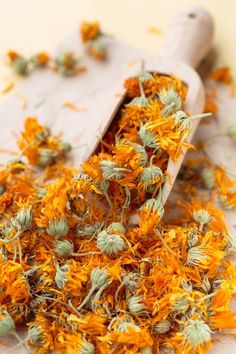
{"x":189,"y":36}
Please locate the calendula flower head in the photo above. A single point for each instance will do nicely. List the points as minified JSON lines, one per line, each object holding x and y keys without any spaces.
{"x":45,"y":157}
{"x":41,"y":192}
{"x":20,"y":66}
{"x":162,"y":327}
{"x":7,"y":324}
{"x":231,"y":131}
{"x":40,"y":59}
{"x":64,"y":248}
{"x":154,"y":205}
{"x":171,"y":99}
{"x":124,"y":326}
{"x":65,"y":147}
{"x":88,"y":229}
{"x":197,"y":332}
{"x":89,"y":31}
{"x":201,"y":216}
{"x":2,"y":189}
{"x":86,"y":347}
{"x":135,"y":305}
{"x":192,"y":237}
{"x":111,"y":171}
{"x":66,"y":64}
{"x":35,"y":335}
{"x":140,"y":150}
{"x":151,"y":175}
{"x":61,"y":274}
{"x":208,"y":177}
{"x":224,"y":202}
{"x":110,"y":244}
{"x":187,"y":286}
{"x":206,"y":285}
{"x":58,"y":228}
{"x":195,"y":256}
{"x":181,"y":304}
{"x":149,"y":139}
{"x":116,"y":226}
{"x":23,"y":219}
{"x":98,"y":277}
{"x":97,"y":48}
{"x":139,"y":101}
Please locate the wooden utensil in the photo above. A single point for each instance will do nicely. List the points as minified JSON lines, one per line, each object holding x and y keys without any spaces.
{"x":187,"y":42}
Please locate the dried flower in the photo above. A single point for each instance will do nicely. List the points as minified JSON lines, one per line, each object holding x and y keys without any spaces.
{"x":135,"y":306}
{"x":7,"y":324}
{"x":111,"y":171}
{"x":64,"y":248}
{"x":23,"y":219}
{"x":208,"y":178}
{"x":231,"y":131}
{"x":110,"y":244}
{"x":202,"y":217}
{"x":58,"y":228}
{"x":162,"y":327}
{"x":195,"y":256}
{"x":197,"y":332}
{"x":86,"y":347}
{"x":171,"y":100}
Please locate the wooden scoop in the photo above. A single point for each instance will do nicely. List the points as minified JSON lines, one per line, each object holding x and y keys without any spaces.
{"x":187,"y":42}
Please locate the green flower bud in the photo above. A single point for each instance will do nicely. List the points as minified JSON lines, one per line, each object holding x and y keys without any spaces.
{"x":110,"y":244}
{"x":125,"y":326}
{"x":45,"y":157}
{"x":23,"y":219}
{"x":153,"y":206}
{"x":61,"y":276}
{"x":171,"y":100}
{"x":116,"y":226}
{"x":138,"y":101}
{"x":20,"y":66}
{"x":2,"y":189}
{"x":35,"y":335}
{"x":7,"y":324}
{"x":64,"y":248}
{"x":208,"y":178}
{"x":148,"y":138}
{"x":162,"y":327}
{"x":66,"y":147}
{"x":201,"y":216}
{"x":231,"y":131}
{"x":41,"y":193}
{"x":195,"y":256}
{"x":98,"y":277}
{"x":151,"y":175}
{"x":197,"y":332}
{"x":140,"y":150}
{"x":86,"y":347}
{"x":110,"y":170}
{"x":135,"y":306}
{"x":58,"y":228}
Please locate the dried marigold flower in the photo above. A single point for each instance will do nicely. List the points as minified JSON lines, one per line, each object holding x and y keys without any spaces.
{"x":135,"y":306}
{"x":98,"y":277}
{"x":89,"y":31}
{"x":162,"y":327}
{"x":40,"y":59}
{"x":195,"y":256}
{"x":64,"y":248}
{"x":7,"y":324}
{"x":110,"y":244}
{"x":197,"y":332}
{"x":111,"y":170}
{"x":116,"y":226}
{"x":58,"y":228}
{"x":208,"y":177}
{"x":23,"y":219}
{"x":35,"y":335}
{"x":45,"y":157}
{"x":86,"y":347}
{"x":97,"y":48}
{"x":231,"y":131}
{"x":171,"y":99}
{"x":151,"y":175}
{"x":149,"y":139}
{"x":202,"y":217}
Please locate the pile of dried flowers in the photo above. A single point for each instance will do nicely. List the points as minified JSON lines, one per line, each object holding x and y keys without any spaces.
{"x":78,"y":274}
{"x":65,"y":63}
